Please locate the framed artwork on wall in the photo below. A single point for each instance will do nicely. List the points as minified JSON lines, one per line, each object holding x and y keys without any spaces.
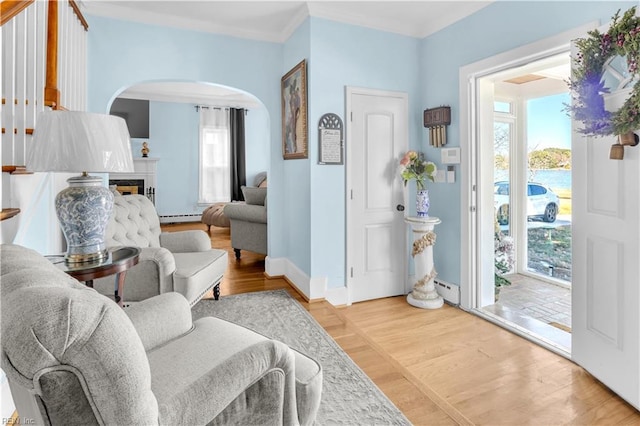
{"x":294,"y":112}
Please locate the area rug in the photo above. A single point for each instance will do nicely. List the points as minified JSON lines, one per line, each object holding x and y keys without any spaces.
{"x":349,"y":397}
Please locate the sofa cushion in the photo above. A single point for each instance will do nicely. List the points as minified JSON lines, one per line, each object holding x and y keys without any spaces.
{"x":183,"y":391}
{"x":198,"y":272}
{"x":253,"y":195}
{"x":211,"y":364}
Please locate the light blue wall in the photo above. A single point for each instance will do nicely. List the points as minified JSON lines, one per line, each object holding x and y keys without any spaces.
{"x":257,"y":143}
{"x":296,"y":177}
{"x":500,"y":27}
{"x":306,"y":200}
{"x":173,"y":138}
{"x":346,"y":55}
{"x":123,"y":53}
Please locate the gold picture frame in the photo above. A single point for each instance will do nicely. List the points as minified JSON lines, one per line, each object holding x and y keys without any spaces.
{"x":293,"y":95}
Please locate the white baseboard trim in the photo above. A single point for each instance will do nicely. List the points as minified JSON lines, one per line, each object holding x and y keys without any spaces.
{"x":317,"y":287}
{"x":337,"y":296}
{"x":312,"y":288}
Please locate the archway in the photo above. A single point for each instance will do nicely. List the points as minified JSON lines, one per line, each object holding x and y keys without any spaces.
{"x":172,"y":136}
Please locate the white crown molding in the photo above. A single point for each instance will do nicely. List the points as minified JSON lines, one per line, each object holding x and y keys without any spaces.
{"x":434,"y":19}
{"x":124,"y":13}
{"x":444,"y":19}
{"x":328,"y":11}
{"x":294,"y":23}
{"x":435,"y":15}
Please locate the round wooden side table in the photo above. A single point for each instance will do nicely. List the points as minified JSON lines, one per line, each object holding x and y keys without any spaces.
{"x":117,"y":262}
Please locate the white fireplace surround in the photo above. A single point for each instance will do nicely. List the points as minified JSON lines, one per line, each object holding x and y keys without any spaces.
{"x":145,"y":169}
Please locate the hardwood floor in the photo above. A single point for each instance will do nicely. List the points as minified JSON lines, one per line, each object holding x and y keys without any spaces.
{"x":445,"y":366}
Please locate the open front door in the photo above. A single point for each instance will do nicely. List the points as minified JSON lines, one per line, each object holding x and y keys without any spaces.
{"x":606,"y":262}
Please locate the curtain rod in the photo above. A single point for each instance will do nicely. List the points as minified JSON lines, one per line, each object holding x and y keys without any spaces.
{"x":197,"y":107}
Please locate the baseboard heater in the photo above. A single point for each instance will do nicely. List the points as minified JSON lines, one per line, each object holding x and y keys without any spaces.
{"x":450,"y":292}
{"x":178,"y":218}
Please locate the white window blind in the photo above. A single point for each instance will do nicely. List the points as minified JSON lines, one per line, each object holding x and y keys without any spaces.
{"x":215,"y":180}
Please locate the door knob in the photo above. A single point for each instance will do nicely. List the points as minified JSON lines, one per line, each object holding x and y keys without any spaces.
{"x":400,"y":207}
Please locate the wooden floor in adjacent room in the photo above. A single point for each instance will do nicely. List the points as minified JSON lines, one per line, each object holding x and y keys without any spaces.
{"x":445,"y":366}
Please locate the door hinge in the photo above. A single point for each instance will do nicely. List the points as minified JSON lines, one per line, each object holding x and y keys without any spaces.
{"x":352,"y":272}
{"x":351,"y":116}
{"x":351,"y":194}
{"x":473,"y":209}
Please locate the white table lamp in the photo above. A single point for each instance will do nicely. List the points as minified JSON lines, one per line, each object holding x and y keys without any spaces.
{"x":71,"y":141}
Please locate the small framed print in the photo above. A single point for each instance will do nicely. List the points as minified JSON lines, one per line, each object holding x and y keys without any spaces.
{"x":330,"y":140}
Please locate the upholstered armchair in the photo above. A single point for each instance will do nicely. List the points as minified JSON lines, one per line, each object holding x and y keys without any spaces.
{"x":72,"y":356}
{"x":169,"y":261}
{"x":249,"y":221}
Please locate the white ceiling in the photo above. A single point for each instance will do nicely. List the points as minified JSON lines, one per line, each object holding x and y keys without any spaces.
{"x":271,"y":21}
{"x":276,"y":20}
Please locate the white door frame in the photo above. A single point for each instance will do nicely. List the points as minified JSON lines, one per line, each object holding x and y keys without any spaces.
{"x":472,"y":232}
{"x":349,"y":92}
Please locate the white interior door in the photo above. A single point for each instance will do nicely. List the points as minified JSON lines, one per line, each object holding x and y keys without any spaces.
{"x":377,"y":138}
{"x":606,"y":263}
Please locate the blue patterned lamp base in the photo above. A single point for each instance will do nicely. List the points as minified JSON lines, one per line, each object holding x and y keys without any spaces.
{"x":83,"y":210}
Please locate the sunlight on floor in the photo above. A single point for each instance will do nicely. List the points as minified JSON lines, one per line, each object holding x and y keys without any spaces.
{"x":542,"y":308}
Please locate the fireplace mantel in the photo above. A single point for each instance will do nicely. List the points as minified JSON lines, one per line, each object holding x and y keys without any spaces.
{"x":144,"y":168}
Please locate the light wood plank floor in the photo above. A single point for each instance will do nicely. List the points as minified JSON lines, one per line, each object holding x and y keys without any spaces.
{"x":445,"y":366}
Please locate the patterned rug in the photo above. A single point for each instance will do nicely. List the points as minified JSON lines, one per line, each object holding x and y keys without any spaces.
{"x":349,"y":397}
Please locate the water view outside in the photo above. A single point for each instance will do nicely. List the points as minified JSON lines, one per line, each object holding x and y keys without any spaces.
{"x":549,"y":146}
{"x":549,"y":164}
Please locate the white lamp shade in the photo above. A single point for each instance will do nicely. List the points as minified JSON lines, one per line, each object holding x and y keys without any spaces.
{"x":72,"y":141}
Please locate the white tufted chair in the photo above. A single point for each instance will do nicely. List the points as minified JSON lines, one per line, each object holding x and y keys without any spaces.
{"x":183,"y":261}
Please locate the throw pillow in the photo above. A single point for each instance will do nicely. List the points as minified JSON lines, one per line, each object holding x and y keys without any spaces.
{"x":253,"y":195}
{"x":260,"y":179}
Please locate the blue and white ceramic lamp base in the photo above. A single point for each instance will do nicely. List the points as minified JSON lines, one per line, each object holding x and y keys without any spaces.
{"x":424,"y":294}
{"x":83,"y":209}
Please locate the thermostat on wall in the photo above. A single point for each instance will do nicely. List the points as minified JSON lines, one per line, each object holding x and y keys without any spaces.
{"x":450,"y":155}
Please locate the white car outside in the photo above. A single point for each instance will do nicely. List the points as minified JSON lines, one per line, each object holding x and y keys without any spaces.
{"x":542,"y":202}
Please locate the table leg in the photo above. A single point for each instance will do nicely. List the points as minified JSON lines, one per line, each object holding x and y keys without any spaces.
{"x":119,"y":288}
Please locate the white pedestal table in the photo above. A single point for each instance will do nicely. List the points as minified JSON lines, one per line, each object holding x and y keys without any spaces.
{"x":424,"y":294}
